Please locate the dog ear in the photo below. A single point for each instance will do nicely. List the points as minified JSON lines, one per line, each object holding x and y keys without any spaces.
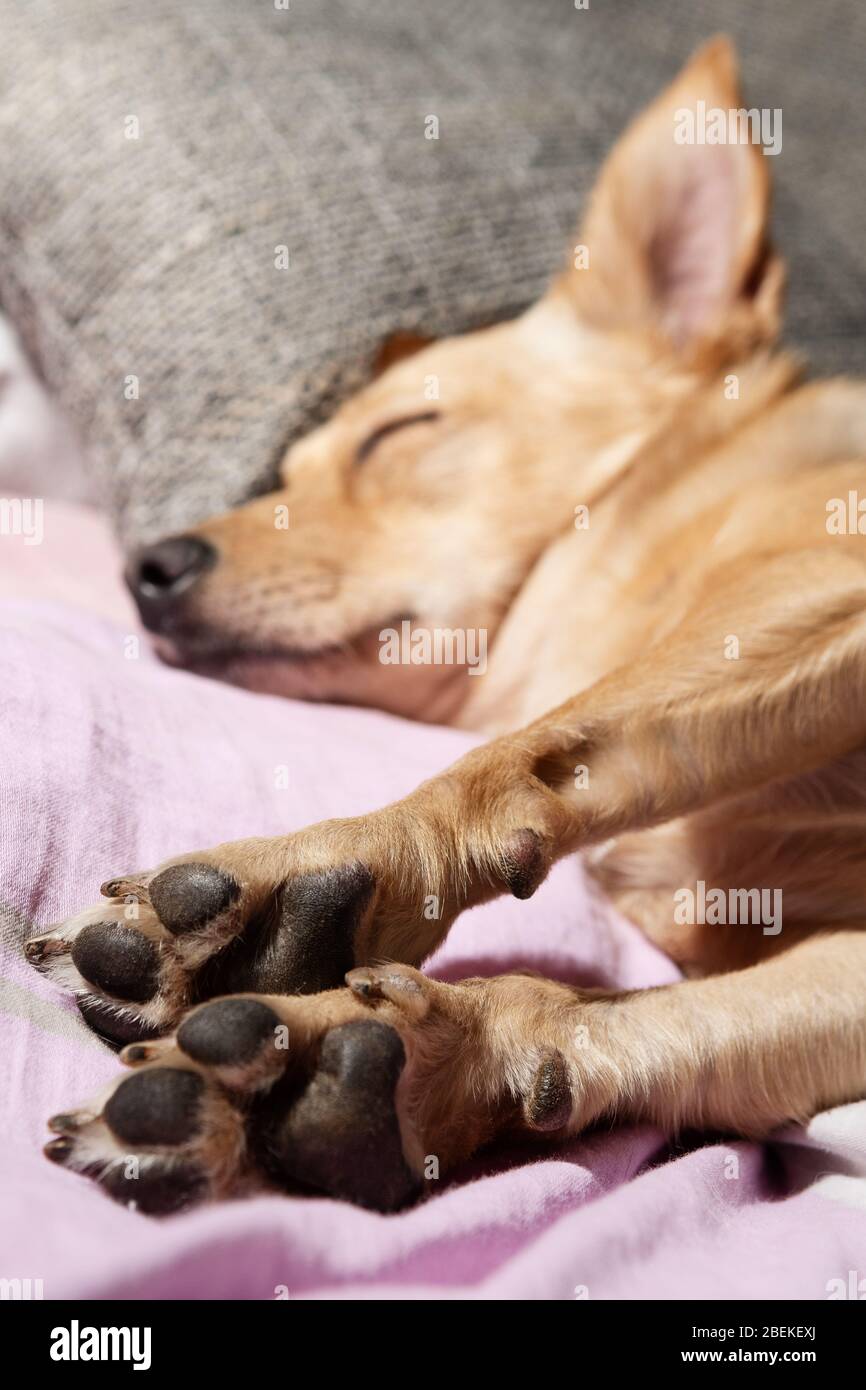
{"x":675,"y":237}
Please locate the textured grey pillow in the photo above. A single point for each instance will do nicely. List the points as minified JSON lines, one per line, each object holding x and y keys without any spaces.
{"x":262,"y":127}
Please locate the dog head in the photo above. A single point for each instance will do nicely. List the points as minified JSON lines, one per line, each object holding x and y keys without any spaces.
{"x":424,"y":503}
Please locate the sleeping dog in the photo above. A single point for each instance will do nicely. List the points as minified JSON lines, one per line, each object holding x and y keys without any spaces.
{"x":657,"y":530}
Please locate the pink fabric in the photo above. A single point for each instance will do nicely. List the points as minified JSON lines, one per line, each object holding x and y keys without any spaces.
{"x":111,"y":763}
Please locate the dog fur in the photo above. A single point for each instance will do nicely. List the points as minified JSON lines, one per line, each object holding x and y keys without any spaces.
{"x":676,"y":688}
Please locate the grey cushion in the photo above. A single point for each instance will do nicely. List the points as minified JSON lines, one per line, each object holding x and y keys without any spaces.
{"x":262,"y":127}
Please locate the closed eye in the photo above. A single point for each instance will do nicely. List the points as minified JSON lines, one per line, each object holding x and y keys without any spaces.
{"x":374,"y":439}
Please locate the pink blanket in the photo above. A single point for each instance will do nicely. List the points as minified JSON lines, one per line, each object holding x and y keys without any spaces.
{"x":111,"y":763}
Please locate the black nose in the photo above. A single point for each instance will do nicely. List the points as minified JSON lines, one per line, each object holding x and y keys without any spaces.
{"x":159,"y":574}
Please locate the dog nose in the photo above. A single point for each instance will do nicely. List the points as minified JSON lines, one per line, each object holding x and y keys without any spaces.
{"x":157,"y":575}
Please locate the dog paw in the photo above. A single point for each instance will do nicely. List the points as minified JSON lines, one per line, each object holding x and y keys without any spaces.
{"x":282,"y":916}
{"x":353,"y":1093}
{"x":198,"y":929}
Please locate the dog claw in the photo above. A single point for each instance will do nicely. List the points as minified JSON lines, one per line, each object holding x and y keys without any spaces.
{"x":126,"y":886}
{"x":58,"y":1150}
{"x":135,"y":1054}
{"x":69,"y":1121}
{"x":364,"y":983}
{"x":400,"y":985}
{"x":39,"y":947}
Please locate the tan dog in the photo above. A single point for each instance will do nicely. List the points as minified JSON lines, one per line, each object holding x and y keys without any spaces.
{"x":627,"y":493}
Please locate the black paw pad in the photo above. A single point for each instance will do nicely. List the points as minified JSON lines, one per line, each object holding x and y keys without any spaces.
{"x":231,"y":1031}
{"x":117,"y":1029}
{"x":549,"y":1105}
{"x":157,"y":1106}
{"x":118,"y":960}
{"x":342,"y":1136}
{"x":159,"y":1189}
{"x":524,"y":864}
{"x":304,"y":943}
{"x":319,"y":916}
{"x":186,"y":896}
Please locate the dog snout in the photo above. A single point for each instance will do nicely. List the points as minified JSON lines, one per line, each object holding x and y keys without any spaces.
{"x":158,"y":575}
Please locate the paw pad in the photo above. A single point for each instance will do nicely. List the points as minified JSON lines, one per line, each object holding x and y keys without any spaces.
{"x":229,"y":1032}
{"x":116,"y":1029}
{"x":118,"y":960}
{"x":304,"y":942}
{"x":157,"y":1106}
{"x":343,"y":1136}
{"x":549,"y":1105}
{"x":160,"y":1188}
{"x":186,"y":896}
{"x":319,"y":918}
{"x":524,"y":863}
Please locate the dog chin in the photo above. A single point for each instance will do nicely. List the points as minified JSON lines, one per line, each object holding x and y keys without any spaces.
{"x":299,"y":675}
{"x":293,"y":677}
{"x":343,"y":675}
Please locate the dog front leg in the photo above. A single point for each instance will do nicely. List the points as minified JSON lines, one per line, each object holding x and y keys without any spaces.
{"x":741,"y":1052}
{"x":764,"y":678}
